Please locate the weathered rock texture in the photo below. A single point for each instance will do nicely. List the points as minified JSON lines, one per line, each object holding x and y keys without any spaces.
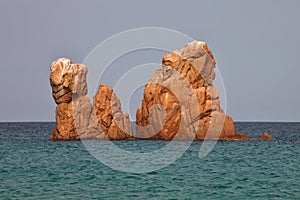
{"x":76,"y":118}
{"x":180,"y":101}
{"x":68,"y":82}
{"x":107,"y":108}
{"x":183,"y":119}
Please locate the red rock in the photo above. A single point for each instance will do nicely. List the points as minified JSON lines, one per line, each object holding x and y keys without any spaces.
{"x":68,"y":82}
{"x":195,"y":64}
{"x":107,"y":109}
{"x":237,"y":136}
{"x":264,"y":136}
{"x":76,"y":118}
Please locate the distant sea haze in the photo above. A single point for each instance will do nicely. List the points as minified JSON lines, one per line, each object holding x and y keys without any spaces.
{"x":34,"y":167}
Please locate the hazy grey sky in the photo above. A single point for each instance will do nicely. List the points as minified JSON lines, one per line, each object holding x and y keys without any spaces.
{"x":255,"y":44}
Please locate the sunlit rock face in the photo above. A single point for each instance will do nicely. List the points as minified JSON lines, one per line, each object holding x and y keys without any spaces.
{"x":76,"y":117}
{"x":181,"y":102}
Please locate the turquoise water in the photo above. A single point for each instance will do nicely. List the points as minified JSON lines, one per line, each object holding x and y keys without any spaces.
{"x":34,"y":167}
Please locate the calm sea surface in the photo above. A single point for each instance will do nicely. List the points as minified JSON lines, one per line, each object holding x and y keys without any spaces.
{"x":34,"y":167}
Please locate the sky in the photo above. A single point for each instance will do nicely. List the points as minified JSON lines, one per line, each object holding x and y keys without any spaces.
{"x":255,"y":43}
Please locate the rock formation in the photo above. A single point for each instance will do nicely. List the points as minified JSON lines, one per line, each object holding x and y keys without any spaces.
{"x":264,"y":136}
{"x":107,"y":109}
{"x":76,"y":118}
{"x":181,"y":101}
{"x":68,"y":82}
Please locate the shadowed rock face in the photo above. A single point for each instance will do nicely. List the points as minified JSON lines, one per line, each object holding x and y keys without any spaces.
{"x":76,"y":118}
{"x":189,"y":105}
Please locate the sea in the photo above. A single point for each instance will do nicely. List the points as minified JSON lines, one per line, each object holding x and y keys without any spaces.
{"x":34,"y":167}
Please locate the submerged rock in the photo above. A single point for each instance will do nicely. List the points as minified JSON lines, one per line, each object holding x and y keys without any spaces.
{"x":264,"y":136}
{"x":180,"y":100}
{"x":238,"y":136}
